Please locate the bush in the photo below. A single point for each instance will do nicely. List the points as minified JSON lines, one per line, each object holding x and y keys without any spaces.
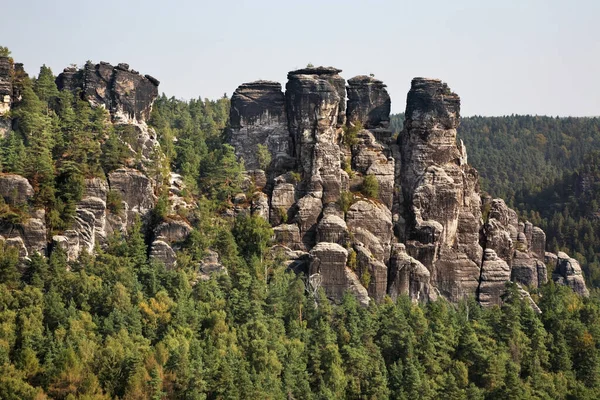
{"x":352,"y":262}
{"x":351,"y":134}
{"x":296,"y":176}
{"x":345,"y":201}
{"x":370,"y":187}
{"x":114,"y":202}
{"x":264,"y":156}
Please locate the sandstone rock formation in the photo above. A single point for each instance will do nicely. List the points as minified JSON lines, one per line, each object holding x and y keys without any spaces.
{"x":127,"y":95}
{"x":425,"y":233}
{"x":6,"y":86}
{"x":124,"y":92}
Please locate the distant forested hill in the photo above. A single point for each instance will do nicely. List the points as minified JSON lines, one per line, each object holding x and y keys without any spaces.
{"x":547,"y":168}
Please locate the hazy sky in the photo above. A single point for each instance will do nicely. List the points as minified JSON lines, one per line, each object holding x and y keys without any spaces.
{"x":501,"y":57}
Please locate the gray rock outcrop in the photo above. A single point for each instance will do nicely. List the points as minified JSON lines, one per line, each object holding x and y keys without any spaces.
{"x":425,"y":234}
{"x":125,"y":93}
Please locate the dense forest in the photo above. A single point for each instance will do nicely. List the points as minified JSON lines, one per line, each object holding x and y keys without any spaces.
{"x":118,"y":325}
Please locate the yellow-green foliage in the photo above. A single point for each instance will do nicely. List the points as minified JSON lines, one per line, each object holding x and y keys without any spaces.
{"x":365,"y":278}
{"x":352,"y":262}
{"x":370,"y":187}
{"x":345,"y":201}
{"x":351,"y":134}
{"x":264,"y":156}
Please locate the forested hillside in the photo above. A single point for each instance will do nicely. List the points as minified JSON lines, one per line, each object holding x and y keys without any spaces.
{"x":120,"y":325}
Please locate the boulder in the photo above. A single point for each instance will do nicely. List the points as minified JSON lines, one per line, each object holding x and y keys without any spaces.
{"x":173,"y":231}
{"x":210,"y":265}
{"x":332,"y":229}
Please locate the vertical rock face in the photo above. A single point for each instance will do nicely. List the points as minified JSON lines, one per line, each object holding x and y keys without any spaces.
{"x":315,"y":103}
{"x":428,"y":196}
{"x":440,"y":191}
{"x":6,"y":86}
{"x":568,"y":272}
{"x":368,"y":102}
{"x":128,"y":96}
{"x":258,"y":117}
{"x":124,"y":92}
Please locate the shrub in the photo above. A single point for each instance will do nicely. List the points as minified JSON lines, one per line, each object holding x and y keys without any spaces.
{"x":351,"y":134}
{"x":370,"y":187}
{"x":345,"y":201}
{"x":264,"y":156}
{"x":296,"y":177}
{"x":283,"y":215}
{"x":352,"y":262}
{"x":114,"y":202}
{"x":365,"y":279}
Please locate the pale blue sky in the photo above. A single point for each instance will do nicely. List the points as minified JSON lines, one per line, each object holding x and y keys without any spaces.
{"x":501,"y":57}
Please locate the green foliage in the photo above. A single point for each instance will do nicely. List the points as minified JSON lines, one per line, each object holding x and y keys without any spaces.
{"x":352,"y":262}
{"x":296,"y":176}
{"x":252,"y":234}
{"x":370,"y":186}
{"x":4,"y":51}
{"x":345,"y":201}
{"x":264,"y":156}
{"x":283,"y":215}
{"x":350,"y":137}
{"x":114,"y":202}
{"x":118,"y":325}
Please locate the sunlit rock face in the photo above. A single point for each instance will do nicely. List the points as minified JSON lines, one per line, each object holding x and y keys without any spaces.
{"x":424,"y":234}
{"x":440,"y":192}
{"x":125,"y":93}
{"x":258,"y":118}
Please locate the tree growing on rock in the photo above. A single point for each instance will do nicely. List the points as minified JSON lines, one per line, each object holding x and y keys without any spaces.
{"x":370,"y":187}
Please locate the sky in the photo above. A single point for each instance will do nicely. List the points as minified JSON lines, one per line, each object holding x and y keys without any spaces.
{"x":502,"y":57}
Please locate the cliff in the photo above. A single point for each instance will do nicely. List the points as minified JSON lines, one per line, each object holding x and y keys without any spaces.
{"x":352,"y":207}
{"x":425,"y":232}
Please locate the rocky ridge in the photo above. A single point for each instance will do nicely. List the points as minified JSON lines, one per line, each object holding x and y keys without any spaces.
{"x":427,"y":232}
{"x":109,"y":204}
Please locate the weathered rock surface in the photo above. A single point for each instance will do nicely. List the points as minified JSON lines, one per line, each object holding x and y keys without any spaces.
{"x":329,"y":260}
{"x":173,"y":231}
{"x":428,"y":198}
{"x":136,"y":190}
{"x":258,"y":117}
{"x":161,"y":251}
{"x":15,"y":189}
{"x":568,"y":272}
{"x":31,"y":231}
{"x":124,"y":92}
{"x":368,"y":102}
{"x":495,"y":273}
{"x":315,"y":105}
{"x":6,"y":86}
{"x":408,"y":276}
{"x":210,"y":265}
